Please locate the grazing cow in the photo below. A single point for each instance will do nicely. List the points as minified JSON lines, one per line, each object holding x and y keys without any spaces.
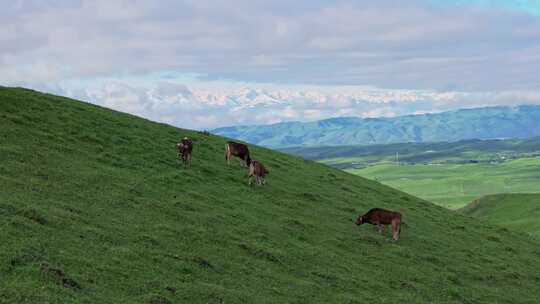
{"x":239,"y":150}
{"x":185,"y":147}
{"x":257,"y":170}
{"x":382,"y":217}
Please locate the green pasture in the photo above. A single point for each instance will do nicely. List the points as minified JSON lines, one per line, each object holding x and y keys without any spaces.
{"x":455,"y":185}
{"x":519,"y":212}
{"x":96,"y":208}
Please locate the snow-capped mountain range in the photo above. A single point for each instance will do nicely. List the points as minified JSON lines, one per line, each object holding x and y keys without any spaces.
{"x":208,"y":107}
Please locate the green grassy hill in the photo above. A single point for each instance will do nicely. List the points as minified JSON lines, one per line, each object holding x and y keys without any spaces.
{"x":95,"y":208}
{"x":519,"y":212}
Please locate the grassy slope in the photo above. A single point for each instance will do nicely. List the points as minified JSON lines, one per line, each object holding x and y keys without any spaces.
{"x":100,"y":195}
{"x":520,"y":212}
{"x":454,"y":185}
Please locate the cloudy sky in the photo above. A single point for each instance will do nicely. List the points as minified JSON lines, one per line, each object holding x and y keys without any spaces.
{"x":205,"y":64}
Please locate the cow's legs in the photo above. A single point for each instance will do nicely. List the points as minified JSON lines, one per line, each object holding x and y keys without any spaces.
{"x":381,"y":228}
{"x":395,"y":229}
{"x":227,"y":154}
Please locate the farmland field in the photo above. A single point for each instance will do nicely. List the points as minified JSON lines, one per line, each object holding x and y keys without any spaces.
{"x":448,"y":174}
{"x":454,"y":185}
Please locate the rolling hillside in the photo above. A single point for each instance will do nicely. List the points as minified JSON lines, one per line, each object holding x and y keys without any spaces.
{"x":461,"y":152}
{"x":478,"y":123}
{"x":95,"y":208}
{"x":519,"y":212}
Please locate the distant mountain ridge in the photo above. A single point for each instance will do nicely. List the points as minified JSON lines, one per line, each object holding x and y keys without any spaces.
{"x":476,"y":123}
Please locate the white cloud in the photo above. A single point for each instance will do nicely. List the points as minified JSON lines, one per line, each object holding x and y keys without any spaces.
{"x":196,"y":107}
{"x":269,"y":61}
{"x":385,"y":43}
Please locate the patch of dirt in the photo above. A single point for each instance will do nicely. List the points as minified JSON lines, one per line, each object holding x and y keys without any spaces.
{"x":147,"y":240}
{"x":407,"y":285}
{"x":503,"y":230}
{"x":509,"y":249}
{"x":260,"y":253}
{"x":311,"y":196}
{"x":347,"y":189}
{"x":22,"y":260}
{"x":493,"y":239}
{"x":33,"y":215}
{"x":59,"y":277}
{"x":326,"y":277}
{"x":158,"y":300}
{"x":73,"y":210}
{"x":371,"y":240}
{"x":202,"y":262}
{"x":348,"y":210}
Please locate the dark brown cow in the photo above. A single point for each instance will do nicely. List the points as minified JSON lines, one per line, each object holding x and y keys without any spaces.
{"x":239,"y":150}
{"x":185,"y":149}
{"x":382,"y":217}
{"x":257,"y":170}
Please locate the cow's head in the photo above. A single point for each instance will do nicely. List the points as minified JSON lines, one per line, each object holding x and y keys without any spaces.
{"x":360,"y":220}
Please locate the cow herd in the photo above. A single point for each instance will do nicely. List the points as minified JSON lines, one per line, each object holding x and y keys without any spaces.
{"x":257,"y":170}
{"x":376,"y":216}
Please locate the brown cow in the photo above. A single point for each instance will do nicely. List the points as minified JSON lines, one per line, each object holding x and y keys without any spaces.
{"x":382,"y":217}
{"x":239,"y":150}
{"x":257,"y":170}
{"x":185,"y":149}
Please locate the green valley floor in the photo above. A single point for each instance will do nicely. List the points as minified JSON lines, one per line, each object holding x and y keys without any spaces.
{"x":455,"y":185}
